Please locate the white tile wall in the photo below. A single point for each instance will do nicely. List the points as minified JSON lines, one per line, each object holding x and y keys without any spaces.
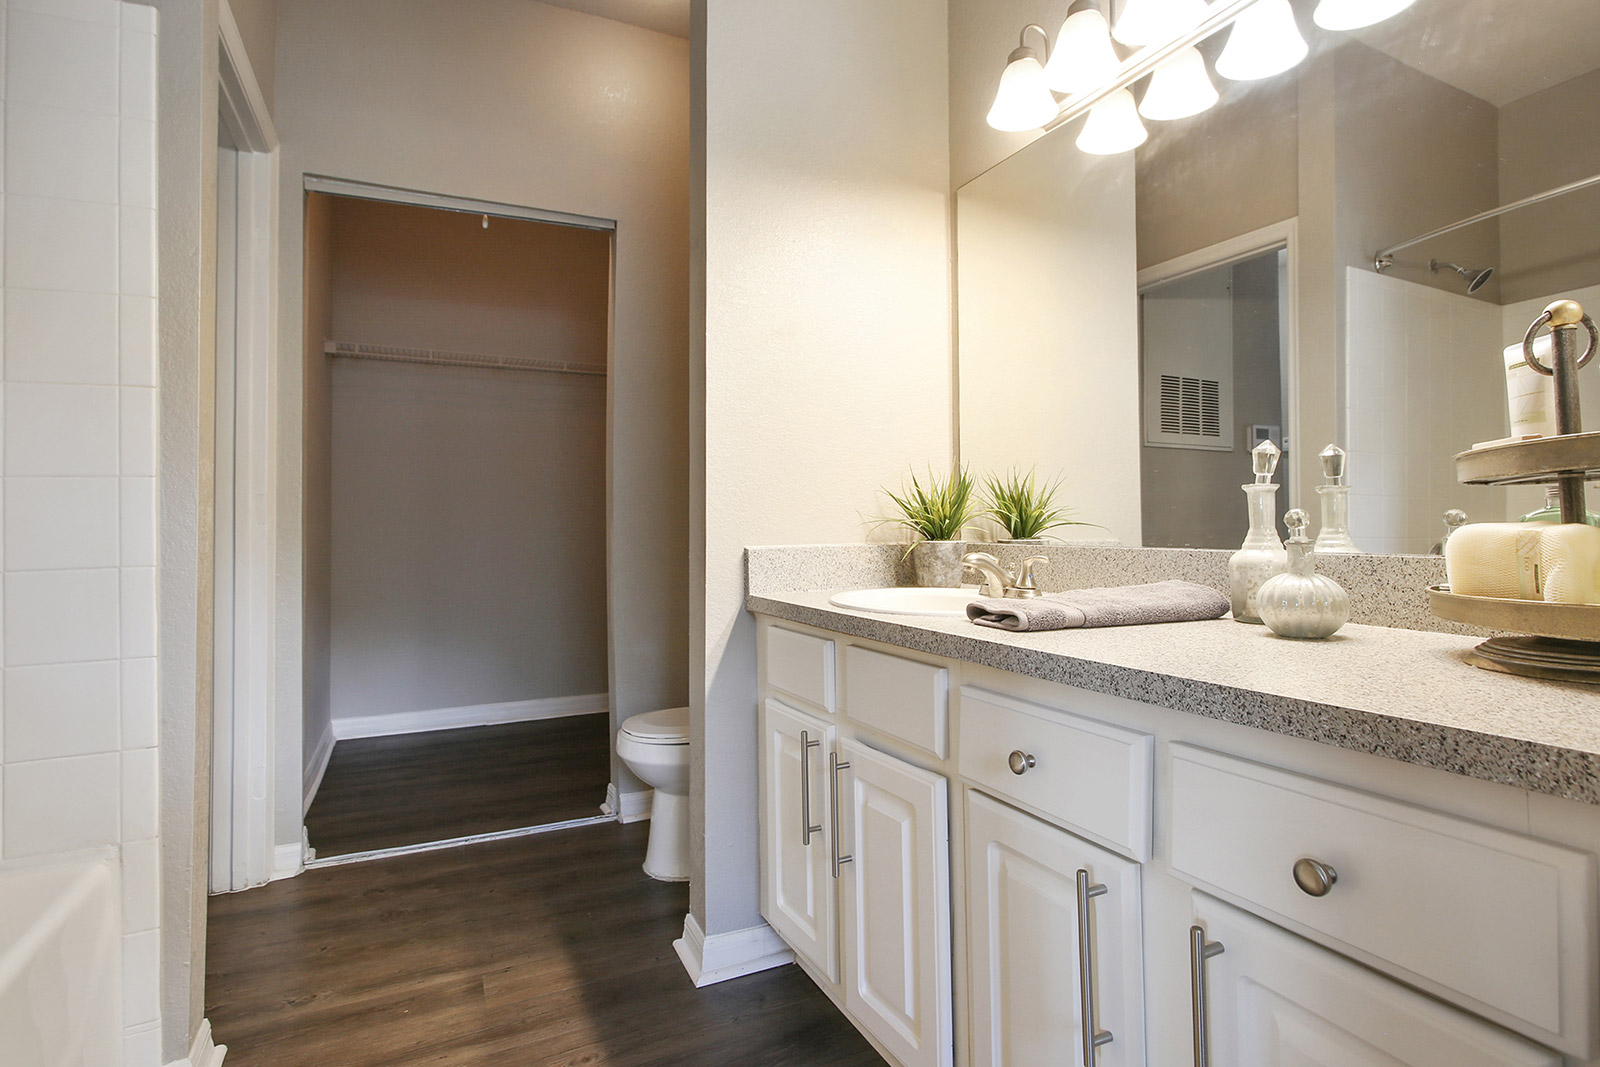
{"x":78,"y":731}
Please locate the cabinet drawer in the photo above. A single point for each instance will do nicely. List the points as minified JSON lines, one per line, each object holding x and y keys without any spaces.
{"x":801,"y":666}
{"x":1497,"y":922}
{"x":1090,"y":776}
{"x":903,"y":698}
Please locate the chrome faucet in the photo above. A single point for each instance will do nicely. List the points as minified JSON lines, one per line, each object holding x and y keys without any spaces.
{"x":999,"y":582}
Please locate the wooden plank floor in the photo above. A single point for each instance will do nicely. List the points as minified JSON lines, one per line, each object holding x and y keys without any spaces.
{"x":545,"y":951}
{"x":380,"y":792}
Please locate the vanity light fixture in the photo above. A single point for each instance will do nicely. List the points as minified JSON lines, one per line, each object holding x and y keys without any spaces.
{"x":1023,"y":101}
{"x":1113,"y":126}
{"x":1263,"y":42}
{"x":1180,"y":87}
{"x":1145,"y":22}
{"x":1083,"y":58}
{"x":1354,"y":14}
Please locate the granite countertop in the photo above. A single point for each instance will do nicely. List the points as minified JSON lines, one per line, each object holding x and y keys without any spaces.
{"x":1403,"y":694}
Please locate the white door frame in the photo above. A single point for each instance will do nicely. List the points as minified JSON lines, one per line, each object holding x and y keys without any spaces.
{"x":1285,"y":235}
{"x":244,"y":623}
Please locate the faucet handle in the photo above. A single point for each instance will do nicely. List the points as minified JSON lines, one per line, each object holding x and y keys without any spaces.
{"x":1024,"y":586}
{"x":972,"y":559}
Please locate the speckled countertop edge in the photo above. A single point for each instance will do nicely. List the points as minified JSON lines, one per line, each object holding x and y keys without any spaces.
{"x":1540,"y":736}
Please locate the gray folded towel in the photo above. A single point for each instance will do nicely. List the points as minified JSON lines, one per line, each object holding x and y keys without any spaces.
{"x":1123,"y":605}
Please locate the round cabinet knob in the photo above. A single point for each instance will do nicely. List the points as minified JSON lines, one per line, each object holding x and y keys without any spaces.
{"x":1020,"y":761}
{"x":1314,"y":877}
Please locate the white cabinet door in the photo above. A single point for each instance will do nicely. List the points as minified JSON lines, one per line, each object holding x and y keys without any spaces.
{"x":797,"y":889}
{"x":1024,"y":954}
{"x":896,"y":900}
{"x":1276,"y":1000}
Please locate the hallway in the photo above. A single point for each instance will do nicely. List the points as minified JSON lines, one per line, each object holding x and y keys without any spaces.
{"x":546,"y":951}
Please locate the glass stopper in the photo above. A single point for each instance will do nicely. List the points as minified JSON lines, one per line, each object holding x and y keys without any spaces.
{"x":1264,"y":460}
{"x":1333,"y":464}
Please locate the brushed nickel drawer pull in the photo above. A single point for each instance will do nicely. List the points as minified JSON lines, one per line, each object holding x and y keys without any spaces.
{"x":1092,"y":1037}
{"x":835,"y":765}
{"x":1021,"y":762}
{"x":806,"y":745}
{"x":1314,"y":877}
{"x":1201,"y":950}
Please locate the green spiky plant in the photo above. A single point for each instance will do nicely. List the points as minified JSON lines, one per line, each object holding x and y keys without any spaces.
{"x":1024,"y":507}
{"x":938,"y":511}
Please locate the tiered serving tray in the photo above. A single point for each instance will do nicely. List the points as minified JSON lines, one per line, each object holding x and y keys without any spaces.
{"x":1564,"y":639}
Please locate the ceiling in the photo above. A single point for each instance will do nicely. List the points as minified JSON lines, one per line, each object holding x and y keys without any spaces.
{"x":663,"y":16}
{"x":1497,"y":50}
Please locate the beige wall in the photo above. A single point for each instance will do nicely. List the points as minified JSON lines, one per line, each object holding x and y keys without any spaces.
{"x":827,"y":366}
{"x":1547,"y":140}
{"x":186,"y":248}
{"x":301,"y":739}
{"x":519,"y":103}
{"x":468,"y":504}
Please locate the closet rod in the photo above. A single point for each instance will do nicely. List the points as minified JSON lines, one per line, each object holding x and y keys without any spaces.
{"x":438,"y":358}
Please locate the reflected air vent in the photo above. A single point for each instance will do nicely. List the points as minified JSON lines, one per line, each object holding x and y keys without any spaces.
{"x":1191,"y":407}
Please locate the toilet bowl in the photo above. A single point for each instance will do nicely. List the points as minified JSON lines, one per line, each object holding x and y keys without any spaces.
{"x":655,"y":746}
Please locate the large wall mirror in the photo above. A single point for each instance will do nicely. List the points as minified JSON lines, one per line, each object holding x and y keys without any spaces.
{"x":1135,"y":323}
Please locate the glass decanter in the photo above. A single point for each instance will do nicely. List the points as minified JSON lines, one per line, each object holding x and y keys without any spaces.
{"x":1262,"y":555}
{"x":1300,"y":602}
{"x":1334,"y":534}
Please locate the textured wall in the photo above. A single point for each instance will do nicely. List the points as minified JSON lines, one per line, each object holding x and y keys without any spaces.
{"x":827,"y":366}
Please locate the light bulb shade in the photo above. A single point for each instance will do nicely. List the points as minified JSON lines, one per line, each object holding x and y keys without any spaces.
{"x":1145,"y":22}
{"x":1354,"y":14}
{"x":1023,"y":101}
{"x":1263,"y":42}
{"x":1084,"y":58}
{"x":1180,"y":87}
{"x":1113,"y":126}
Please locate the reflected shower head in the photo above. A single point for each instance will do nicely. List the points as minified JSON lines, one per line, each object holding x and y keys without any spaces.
{"x":1475,"y":278}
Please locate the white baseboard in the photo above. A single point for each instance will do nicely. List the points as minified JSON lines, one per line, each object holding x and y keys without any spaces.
{"x":312,"y":775}
{"x":204,"y":1052}
{"x":628,"y":807}
{"x":717,"y":958}
{"x":417,"y":722}
{"x":289,"y":860}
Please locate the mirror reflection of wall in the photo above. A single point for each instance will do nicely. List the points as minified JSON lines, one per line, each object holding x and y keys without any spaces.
{"x":1453,"y":108}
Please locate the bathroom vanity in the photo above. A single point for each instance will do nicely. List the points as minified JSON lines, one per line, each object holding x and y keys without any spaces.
{"x":1194,"y":843}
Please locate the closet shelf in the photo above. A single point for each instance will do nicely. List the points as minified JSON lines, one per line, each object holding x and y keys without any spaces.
{"x":440,"y":358}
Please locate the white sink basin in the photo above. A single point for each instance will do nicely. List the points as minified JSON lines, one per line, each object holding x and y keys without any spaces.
{"x":908,"y":601}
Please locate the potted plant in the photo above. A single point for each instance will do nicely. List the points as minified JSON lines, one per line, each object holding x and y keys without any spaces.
{"x":936,"y":514}
{"x":1024,"y":508}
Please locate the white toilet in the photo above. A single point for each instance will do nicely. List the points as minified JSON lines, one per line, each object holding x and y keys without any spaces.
{"x":655,"y":746}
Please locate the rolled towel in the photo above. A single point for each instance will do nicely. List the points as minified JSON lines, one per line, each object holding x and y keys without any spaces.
{"x":1569,"y":563}
{"x":1497,"y":559}
{"x":1123,"y":605}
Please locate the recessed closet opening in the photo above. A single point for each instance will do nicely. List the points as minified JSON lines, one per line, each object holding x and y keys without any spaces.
{"x":455,"y":523}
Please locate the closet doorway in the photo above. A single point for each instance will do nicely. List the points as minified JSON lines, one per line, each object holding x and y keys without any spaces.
{"x":456,"y":656}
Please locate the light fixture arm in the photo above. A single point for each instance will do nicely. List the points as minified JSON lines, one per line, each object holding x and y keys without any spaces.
{"x":1222,"y":14}
{"x":1022,"y":48}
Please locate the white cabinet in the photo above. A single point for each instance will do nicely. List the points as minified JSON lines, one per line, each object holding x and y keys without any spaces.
{"x":797,"y":891}
{"x":895,"y":887}
{"x":1032,"y":891}
{"x":1270,"y":999}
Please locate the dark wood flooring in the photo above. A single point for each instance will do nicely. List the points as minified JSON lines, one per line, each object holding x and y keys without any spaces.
{"x":381,"y":792}
{"x":545,"y":951}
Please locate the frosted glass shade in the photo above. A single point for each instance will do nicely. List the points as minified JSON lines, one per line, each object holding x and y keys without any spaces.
{"x":1113,"y":126}
{"x":1354,"y":14}
{"x":1084,"y":58}
{"x":1145,"y":22}
{"x":1180,"y":87}
{"x":1263,"y":42}
{"x":1023,"y":101}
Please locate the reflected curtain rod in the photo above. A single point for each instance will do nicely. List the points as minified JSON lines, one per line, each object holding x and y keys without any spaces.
{"x":1384,"y":259}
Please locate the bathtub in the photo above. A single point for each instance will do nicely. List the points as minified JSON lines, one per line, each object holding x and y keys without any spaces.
{"x":60,"y":962}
